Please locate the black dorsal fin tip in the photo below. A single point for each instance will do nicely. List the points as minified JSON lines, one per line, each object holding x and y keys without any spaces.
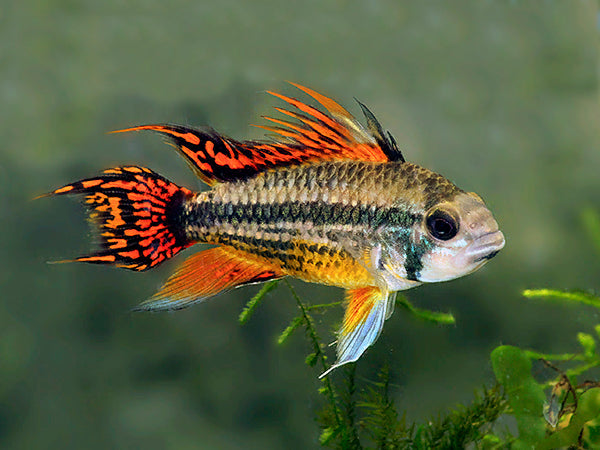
{"x":395,"y":149}
{"x":372,"y":123}
{"x":385,"y":139}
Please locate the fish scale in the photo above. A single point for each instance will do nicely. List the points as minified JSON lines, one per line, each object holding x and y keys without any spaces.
{"x":330,"y":201}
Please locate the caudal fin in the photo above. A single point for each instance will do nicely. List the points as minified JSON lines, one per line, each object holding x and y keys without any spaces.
{"x":138,"y":216}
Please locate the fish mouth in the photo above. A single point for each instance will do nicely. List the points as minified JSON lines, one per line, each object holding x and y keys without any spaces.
{"x":486,"y":246}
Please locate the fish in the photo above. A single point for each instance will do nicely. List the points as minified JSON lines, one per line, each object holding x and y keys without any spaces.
{"x":326,"y":200}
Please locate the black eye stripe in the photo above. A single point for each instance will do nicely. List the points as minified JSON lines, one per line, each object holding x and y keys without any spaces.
{"x":442,"y":225}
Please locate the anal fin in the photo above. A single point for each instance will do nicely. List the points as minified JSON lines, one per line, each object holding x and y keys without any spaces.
{"x":206,"y":274}
{"x":363,"y":320}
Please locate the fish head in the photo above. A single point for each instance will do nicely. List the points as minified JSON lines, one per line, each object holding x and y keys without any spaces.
{"x":457,"y":237}
{"x":454,"y":236}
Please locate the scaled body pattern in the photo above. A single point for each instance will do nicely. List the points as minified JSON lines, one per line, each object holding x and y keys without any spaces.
{"x":327,"y":201}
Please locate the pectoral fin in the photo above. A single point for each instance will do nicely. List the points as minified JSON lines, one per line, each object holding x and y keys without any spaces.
{"x":363,"y":321}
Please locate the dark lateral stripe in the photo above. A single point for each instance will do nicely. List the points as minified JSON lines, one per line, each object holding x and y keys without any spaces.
{"x":283,"y":250}
{"x":316,"y":213}
{"x":413,"y":263}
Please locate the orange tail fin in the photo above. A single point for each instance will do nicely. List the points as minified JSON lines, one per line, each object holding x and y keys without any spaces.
{"x":137,"y":213}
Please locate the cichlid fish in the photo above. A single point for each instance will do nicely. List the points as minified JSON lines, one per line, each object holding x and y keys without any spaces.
{"x":327,"y":201}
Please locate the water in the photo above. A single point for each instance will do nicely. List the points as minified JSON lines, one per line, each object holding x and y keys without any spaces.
{"x":499,"y":97}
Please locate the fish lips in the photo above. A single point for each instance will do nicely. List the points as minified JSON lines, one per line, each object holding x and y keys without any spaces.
{"x":486,"y":246}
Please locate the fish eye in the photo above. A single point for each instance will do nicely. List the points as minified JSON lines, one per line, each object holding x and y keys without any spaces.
{"x":442,"y":225}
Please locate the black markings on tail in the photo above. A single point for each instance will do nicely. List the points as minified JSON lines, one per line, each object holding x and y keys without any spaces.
{"x":138,"y":215}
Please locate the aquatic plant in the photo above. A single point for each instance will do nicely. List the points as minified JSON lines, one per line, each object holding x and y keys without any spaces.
{"x":560,"y":412}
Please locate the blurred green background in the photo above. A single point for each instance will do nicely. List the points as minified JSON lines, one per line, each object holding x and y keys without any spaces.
{"x":500,"y":97}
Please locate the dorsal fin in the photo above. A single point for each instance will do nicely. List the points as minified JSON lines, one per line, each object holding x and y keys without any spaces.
{"x":313,"y":136}
{"x":213,"y":157}
{"x":385,"y":139}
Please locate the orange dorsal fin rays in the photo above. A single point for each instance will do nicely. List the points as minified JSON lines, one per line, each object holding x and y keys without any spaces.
{"x":340,"y":129}
{"x":338,"y":112}
{"x":365,"y":314}
{"x":208,"y":273}
{"x":329,"y":125}
{"x":313,"y":136}
{"x":337,"y":135}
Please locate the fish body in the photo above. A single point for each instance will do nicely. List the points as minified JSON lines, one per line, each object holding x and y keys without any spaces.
{"x":329,"y":202}
{"x":317,"y":222}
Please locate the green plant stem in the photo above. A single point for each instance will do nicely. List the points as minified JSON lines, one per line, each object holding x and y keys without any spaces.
{"x":555,"y":357}
{"x":324,"y":305}
{"x":584,"y":368}
{"x":312,"y":333}
{"x":350,"y":406}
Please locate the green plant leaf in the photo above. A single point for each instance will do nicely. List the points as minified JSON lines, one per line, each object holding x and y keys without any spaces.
{"x":572,"y":295}
{"x":590,"y":218}
{"x":254,"y":301}
{"x":490,"y":442}
{"x":588,"y":409}
{"x":326,"y":435}
{"x":588,"y":343}
{"x":311,"y":359}
{"x":430,"y":316}
{"x":593,"y":436}
{"x":512,"y":368}
{"x":285,"y":334}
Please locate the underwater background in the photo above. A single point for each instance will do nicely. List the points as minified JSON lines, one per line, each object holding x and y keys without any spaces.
{"x":500,"y":97}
